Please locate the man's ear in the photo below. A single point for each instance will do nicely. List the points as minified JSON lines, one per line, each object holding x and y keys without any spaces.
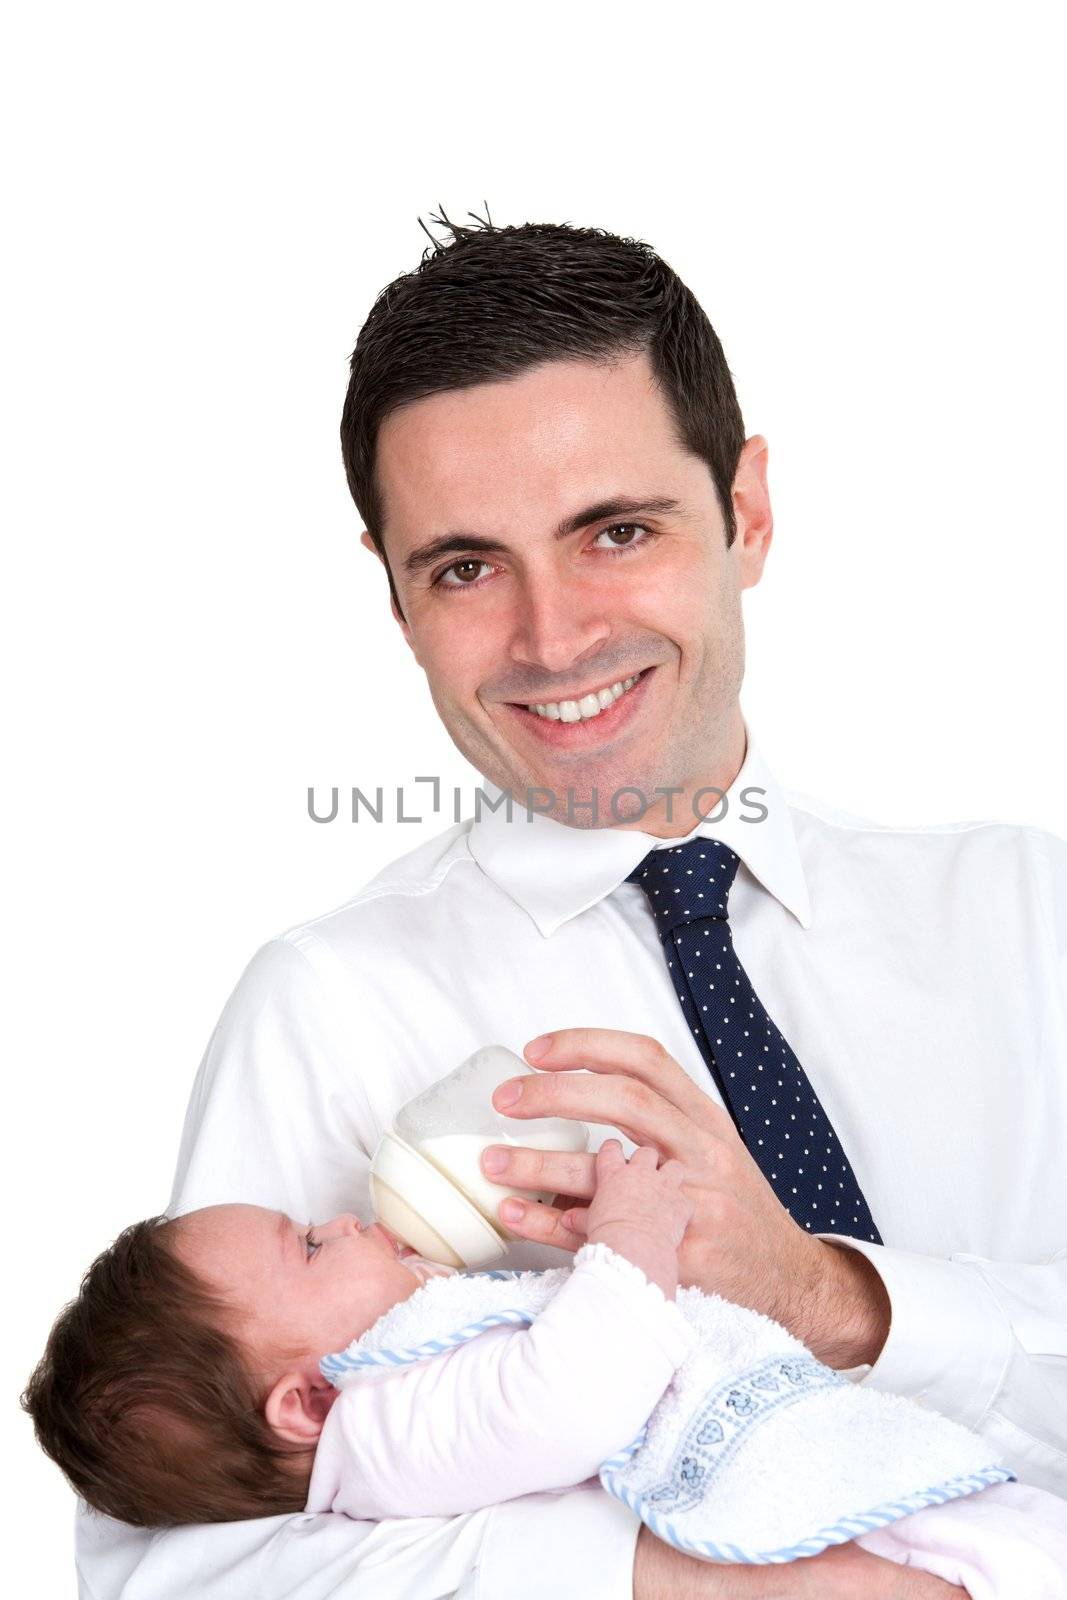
{"x":368,"y":544}
{"x":752,"y":511}
{"x":297,"y":1406}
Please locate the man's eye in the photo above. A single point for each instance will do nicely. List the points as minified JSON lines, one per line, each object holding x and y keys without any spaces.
{"x":627,"y":530}
{"x":311,"y":1244}
{"x":461,"y":574}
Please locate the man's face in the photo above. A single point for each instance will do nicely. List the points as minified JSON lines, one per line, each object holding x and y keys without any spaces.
{"x":550,"y":539}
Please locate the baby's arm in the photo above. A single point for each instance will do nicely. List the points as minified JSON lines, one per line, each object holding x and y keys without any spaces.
{"x":515,"y":1412}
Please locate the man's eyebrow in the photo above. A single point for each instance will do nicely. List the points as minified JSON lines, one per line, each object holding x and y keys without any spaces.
{"x":617,"y":506}
{"x":427,"y":554}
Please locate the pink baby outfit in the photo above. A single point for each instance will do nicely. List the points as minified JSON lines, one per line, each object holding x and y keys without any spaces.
{"x":511,"y":1412}
{"x":529,"y":1406}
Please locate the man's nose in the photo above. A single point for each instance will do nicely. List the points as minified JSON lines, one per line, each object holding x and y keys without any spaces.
{"x":557,"y":623}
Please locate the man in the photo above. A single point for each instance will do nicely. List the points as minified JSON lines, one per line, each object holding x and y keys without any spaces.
{"x":542,"y":437}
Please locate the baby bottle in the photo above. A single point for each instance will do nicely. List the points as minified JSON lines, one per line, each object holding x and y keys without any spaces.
{"x":427,"y":1184}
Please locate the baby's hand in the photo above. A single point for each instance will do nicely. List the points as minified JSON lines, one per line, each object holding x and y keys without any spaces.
{"x":639,"y":1210}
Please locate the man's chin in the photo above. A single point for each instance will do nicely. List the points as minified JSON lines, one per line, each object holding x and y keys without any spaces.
{"x":587,"y":789}
{"x":590,"y":802}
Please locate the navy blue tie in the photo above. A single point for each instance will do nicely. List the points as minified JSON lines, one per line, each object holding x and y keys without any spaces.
{"x":763,"y":1085}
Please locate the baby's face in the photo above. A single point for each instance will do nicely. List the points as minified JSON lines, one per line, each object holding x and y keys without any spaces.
{"x":301,"y":1289}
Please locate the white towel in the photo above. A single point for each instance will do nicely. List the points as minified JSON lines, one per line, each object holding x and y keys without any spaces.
{"x":756,"y":1453}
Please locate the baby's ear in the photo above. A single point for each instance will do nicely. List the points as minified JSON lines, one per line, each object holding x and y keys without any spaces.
{"x":297,"y":1406}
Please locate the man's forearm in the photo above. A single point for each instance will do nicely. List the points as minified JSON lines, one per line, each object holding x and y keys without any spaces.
{"x":849,"y":1314}
{"x":663,"y":1573}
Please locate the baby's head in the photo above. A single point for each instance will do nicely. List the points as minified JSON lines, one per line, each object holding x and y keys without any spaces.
{"x":183,"y":1384}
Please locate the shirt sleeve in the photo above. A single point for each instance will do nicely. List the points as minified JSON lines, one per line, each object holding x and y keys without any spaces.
{"x":278,"y":1115}
{"x":578,"y":1543}
{"x":983,"y":1342}
{"x":512,"y":1411}
{"x":282,"y":1115}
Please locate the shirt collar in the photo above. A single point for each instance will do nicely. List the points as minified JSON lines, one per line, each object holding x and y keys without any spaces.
{"x":554,"y":871}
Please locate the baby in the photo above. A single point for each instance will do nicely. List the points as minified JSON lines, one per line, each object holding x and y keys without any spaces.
{"x":184,"y":1383}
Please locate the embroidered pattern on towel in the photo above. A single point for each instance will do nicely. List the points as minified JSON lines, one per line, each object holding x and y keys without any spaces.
{"x":718,"y":1428}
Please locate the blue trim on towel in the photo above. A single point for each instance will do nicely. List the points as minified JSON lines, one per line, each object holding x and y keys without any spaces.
{"x":354,"y":1358}
{"x":715,"y":1433}
{"x":838,"y":1533}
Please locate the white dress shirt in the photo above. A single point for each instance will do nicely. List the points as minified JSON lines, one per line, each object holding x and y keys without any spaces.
{"x":918,"y":973}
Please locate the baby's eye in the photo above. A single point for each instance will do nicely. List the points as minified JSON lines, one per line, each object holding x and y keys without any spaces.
{"x":311,"y":1244}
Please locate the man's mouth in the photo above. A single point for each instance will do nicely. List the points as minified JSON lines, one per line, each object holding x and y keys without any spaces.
{"x":586,"y":706}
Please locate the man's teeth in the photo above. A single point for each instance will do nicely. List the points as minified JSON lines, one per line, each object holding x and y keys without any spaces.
{"x":590,"y":705}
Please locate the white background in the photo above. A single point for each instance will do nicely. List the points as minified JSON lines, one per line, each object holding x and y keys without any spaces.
{"x":202,"y":203}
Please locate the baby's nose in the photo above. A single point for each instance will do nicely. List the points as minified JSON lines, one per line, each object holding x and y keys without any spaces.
{"x":338,"y":1227}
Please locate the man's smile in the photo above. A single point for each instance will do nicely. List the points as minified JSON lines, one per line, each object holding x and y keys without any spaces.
{"x":585,"y":706}
{"x":592,"y":716}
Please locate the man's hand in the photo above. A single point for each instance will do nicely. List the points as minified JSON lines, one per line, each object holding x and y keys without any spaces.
{"x":843,"y":1573}
{"x":741,"y":1243}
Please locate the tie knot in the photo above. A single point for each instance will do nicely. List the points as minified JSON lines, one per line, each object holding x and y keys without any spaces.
{"x":686,"y":882}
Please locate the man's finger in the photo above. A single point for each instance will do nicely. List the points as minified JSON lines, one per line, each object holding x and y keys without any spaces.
{"x":615,"y":1100}
{"x":634,"y":1055}
{"x":569,"y":1173}
{"x":525,"y":1219}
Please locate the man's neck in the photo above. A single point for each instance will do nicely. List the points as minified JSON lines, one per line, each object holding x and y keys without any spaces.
{"x":677,"y":812}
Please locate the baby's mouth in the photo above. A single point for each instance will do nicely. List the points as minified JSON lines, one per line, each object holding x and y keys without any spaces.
{"x":398,"y":1245}
{"x":416,"y":1264}
{"x":422,"y":1270}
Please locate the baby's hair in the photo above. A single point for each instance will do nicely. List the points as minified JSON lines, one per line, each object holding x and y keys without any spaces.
{"x":144,"y":1400}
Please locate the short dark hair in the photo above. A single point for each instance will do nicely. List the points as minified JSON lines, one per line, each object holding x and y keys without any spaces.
{"x":488,"y":303}
{"x":143,"y":1399}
